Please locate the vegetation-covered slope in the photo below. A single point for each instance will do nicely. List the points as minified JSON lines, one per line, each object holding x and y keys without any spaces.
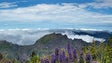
{"x":44,"y":45}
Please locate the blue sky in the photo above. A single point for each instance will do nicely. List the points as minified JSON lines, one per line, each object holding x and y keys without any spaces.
{"x":56,"y":14}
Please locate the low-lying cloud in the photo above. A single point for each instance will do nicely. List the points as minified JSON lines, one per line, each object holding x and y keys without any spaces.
{"x":86,"y":38}
{"x":22,"y":37}
{"x":28,"y":37}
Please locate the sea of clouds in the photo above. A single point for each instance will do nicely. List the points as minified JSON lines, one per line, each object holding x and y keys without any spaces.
{"x":29,"y":36}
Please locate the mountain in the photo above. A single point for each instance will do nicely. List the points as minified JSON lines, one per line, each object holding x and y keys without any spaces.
{"x":54,"y":40}
{"x":29,"y":37}
{"x":97,"y":34}
{"x":8,"y":48}
{"x":44,"y":45}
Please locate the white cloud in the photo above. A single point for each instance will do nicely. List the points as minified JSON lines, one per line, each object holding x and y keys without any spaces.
{"x":7,"y":5}
{"x":22,"y":36}
{"x":65,"y":12}
{"x":85,"y":29}
{"x":86,"y":38}
{"x":98,"y":4}
{"x":29,"y":36}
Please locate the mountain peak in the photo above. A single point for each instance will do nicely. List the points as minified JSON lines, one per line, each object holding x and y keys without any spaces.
{"x":53,"y":40}
{"x":50,"y":37}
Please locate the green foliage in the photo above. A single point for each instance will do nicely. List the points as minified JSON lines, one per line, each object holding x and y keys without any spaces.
{"x":15,"y":61}
{"x":4,"y":46}
{"x":48,"y":38}
{"x":33,"y":54}
{"x":1,"y":56}
{"x":109,"y":49}
{"x":34,"y":58}
{"x":109,"y":42}
{"x":93,"y":50}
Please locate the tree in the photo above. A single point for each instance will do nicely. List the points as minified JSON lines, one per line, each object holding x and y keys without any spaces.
{"x":33,"y":54}
{"x":1,"y":56}
{"x":34,"y":58}
{"x":109,"y":50}
{"x":93,"y":50}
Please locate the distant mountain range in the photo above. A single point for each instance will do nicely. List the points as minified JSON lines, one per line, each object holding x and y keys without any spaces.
{"x":47,"y":43}
{"x":97,"y":34}
{"x":85,"y":34}
{"x":29,"y":37}
{"x":44,"y":45}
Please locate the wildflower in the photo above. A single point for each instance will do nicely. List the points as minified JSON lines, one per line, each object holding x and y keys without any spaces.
{"x":69,"y":49}
{"x":56,"y":54}
{"x":88,"y":58}
{"x":75,"y":55}
{"x":42,"y":61}
{"x":53,"y":59}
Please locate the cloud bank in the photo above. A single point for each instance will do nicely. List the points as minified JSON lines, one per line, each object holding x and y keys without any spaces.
{"x":86,"y":38}
{"x":28,"y":36}
{"x":22,"y":37}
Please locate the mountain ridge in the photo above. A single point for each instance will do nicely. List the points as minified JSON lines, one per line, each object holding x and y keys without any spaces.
{"x":44,"y":45}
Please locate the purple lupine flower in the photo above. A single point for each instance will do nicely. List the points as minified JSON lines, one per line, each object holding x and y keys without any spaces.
{"x":64,"y":58}
{"x":69,"y":52}
{"x":68,"y":48}
{"x":60,"y":59}
{"x":56,"y":51}
{"x":70,"y":58}
{"x":88,"y":58}
{"x":46,"y":61}
{"x":56,"y":54}
{"x":42,"y":61}
{"x":75,"y":55}
{"x":63,"y":55}
{"x":53,"y":59}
